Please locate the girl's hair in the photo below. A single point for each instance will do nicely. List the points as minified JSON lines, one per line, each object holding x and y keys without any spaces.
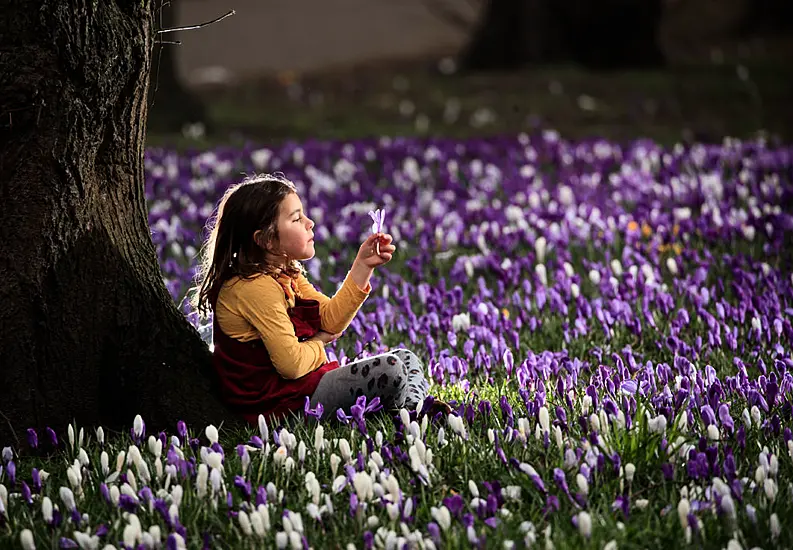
{"x":231,"y":251}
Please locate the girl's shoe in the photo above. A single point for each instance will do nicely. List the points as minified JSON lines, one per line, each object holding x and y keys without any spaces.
{"x":439,"y":406}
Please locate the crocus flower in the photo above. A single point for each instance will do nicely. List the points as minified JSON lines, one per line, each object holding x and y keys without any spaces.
{"x":312,"y":413}
{"x":378,"y":219}
{"x":33,"y":438}
{"x":52,"y":436}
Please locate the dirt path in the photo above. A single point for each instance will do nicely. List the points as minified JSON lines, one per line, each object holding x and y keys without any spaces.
{"x":267,"y":36}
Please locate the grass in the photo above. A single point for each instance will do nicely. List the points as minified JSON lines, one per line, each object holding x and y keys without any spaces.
{"x":700,"y":102}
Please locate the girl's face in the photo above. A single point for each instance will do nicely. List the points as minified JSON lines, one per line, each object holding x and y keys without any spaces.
{"x":295,"y":230}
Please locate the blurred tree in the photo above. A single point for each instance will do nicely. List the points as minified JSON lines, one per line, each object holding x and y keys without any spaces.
{"x":608,"y":34}
{"x":88,"y":331}
{"x":171,"y":105}
{"x":763,"y":16}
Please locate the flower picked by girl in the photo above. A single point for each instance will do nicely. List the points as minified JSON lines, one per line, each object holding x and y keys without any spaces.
{"x":271,"y":325}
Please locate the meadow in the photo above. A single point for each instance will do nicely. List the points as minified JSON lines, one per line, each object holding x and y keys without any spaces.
{"x":611,"y":323}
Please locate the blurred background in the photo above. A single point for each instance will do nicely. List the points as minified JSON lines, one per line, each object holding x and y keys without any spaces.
{"x":669,"y":70}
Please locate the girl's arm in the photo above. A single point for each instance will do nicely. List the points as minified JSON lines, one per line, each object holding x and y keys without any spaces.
{"x":261,"y":302}
{"x":336,"y":313}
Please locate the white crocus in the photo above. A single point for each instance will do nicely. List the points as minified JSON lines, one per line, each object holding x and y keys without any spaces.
{"x":46,"y":509}
{"x":137,"y":426}
{"x":26,"y":540}
{"x":335,"y":460}
{"x":542,"y":274}
{"x":585,"y":524}
{"x":442,"y":516}
{"x":539,"y":248}
{"x":457,"y":425}
{"x":630,"y":470}
{"x":201,"y":480}
{"x":245,"y":523}
{"x":545,"y":420}
{"x":583,"y":484}
{"x":344,"y":449}
{"x":775,"y":526}
{"x":363,"y":486}
{"x":67,"y":496}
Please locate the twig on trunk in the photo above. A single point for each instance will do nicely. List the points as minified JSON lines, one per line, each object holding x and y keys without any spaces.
{"x":199,"y":26}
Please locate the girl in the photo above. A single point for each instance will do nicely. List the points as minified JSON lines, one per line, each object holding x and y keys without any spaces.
{"x":271,"y":325}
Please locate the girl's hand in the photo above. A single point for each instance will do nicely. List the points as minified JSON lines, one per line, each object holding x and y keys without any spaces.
{"x":325,"y":337}
{"x":367,"y":254}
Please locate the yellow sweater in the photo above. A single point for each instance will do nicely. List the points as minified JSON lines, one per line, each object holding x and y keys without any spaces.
{"x":257,"y":308}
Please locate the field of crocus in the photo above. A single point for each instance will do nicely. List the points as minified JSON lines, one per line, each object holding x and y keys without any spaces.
{"x":612,"y":324}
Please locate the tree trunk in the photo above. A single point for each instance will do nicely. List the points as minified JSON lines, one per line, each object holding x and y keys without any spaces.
{"x":499,"y":39}
{"x":616,"y":34}
{"x":613,"y":34}
{"x":88,"y":331}
{"x":171,"y":104}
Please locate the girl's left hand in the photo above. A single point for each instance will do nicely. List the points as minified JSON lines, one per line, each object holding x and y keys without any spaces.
{"x":367,"y":254}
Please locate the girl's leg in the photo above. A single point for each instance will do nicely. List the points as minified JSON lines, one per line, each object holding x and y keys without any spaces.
{"x":384,"y":376}
{"x":418,"y":386}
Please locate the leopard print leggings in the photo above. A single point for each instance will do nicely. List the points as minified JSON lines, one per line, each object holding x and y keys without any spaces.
{"x":396,"y":377}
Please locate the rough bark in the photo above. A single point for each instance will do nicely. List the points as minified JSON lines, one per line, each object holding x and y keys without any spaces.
{"x":613,"y":34}
{"x":88,"y":332}
{"x":171,"y":104}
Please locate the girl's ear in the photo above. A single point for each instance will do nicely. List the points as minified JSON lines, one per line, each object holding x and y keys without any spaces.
{"x":258,"y":238}
{"x":261,"y":240}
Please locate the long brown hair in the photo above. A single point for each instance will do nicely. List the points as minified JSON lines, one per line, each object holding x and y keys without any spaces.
{"x":231,"y":251}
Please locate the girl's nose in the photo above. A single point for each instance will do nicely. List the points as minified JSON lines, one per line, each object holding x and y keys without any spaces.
{"x":310,"y":223}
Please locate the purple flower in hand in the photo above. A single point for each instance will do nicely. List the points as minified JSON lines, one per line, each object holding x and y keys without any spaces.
{"x":378,"y":219}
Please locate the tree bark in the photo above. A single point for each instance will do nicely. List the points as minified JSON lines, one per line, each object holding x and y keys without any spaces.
{"x":613,"y":34}
{"x":88,"y":331}
{"x":171,"y":104}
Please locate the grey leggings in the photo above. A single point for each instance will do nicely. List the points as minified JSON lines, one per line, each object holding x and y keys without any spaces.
{"x":396,"y":377}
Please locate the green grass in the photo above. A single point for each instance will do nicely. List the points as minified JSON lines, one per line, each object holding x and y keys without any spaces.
{"x":702,"y":102}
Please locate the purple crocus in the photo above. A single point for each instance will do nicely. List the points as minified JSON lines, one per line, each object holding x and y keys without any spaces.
{"x":312,"y":413}
{"x":244,"y":486}
{"x":629,"y":386}
{"x":378,"y":219}
{"x":342,"y":417}
{"x":36,"y":478}
{"x":53,"y":437}
{"x":360,"y":409}
{"x":726,"y":419}
{"x":33,"y":438}
{"x":181,"y":430}
{"x":353,"y":504}
{"x":26,"y":494}
{"x":11,"y":471}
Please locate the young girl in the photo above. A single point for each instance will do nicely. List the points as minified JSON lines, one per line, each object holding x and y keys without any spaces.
{"x":271,"y":325}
